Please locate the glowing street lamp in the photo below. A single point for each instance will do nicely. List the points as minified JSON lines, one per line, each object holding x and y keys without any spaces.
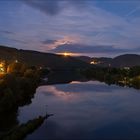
{"x":2,"y":67}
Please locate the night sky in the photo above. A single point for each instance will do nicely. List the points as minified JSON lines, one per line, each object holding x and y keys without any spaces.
{"x":82,"y":27}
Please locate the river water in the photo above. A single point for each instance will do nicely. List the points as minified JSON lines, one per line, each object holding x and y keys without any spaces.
{"x":85,"y":111}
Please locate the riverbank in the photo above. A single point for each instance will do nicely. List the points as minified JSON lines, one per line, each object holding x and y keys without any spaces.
{"x":120,"y":76}
{"x":21,"y":131}
{"x":18,"y":86}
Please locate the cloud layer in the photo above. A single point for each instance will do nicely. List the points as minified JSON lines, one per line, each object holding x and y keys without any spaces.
{"x":54,"y":7}
{"x":82,"y":26}
{"x":77,"y":48}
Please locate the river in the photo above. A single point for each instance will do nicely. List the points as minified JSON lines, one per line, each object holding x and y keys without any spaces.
{"x":84,"y":111}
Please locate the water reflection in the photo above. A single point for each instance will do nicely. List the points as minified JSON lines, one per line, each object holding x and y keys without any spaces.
{"x":88,"y":110}
{"x":65,"y":77}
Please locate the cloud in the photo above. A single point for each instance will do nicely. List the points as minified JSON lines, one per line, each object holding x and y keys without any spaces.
{"x":52,"y":44}
{"x":130,"y":13}
{"x":49,"y":41}
{"x":75,"y":25}
{"x":19,"y":41}
{"x":78,"y":48}
{"x":54,"y":7}
{"x":47,"y":6}
{"x":6,"y":32}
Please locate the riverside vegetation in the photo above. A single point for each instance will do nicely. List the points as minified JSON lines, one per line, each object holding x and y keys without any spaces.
{"x":21,"y":131}
{"x":121,"y":76}
{"x":18,"y":83}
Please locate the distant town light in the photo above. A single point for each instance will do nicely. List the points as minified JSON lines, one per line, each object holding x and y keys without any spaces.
{"x":2,"y":67}
{"x":94,"y":62}
{"x":16,"y":61}
{"x":126,"y":68}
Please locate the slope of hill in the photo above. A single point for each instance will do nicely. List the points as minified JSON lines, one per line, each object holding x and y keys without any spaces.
{"x":127,"y":60}
{"x":103,"y":61}
{"x":84,"y":58}
{"x":41,"y":59}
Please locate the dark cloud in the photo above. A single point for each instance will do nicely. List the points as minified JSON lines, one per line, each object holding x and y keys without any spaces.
{"x":20,"y":41}
{"x":53,"y":7}
{"x":48,"y":41}
{"x":6,"y":32}
{"x":77,"y":48}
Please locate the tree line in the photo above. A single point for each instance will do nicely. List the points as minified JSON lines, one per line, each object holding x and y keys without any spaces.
{"x":120,"y":76}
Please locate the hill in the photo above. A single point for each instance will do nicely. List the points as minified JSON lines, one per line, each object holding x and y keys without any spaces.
{"x":41,"y":59}
{"x":126,"y":60}
{"x":86,"y":59}
{"x":55,"y":61}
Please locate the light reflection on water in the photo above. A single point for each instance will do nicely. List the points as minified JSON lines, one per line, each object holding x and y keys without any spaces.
{"x":88,"y":110}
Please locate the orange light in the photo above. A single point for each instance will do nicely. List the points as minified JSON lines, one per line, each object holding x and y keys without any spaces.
{"x":2,"y":68}
{"x":66,"y":54}
{"x":94,"y":62}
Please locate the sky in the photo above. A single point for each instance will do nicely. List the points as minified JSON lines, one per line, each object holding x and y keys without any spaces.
{"x":81,"y":27}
